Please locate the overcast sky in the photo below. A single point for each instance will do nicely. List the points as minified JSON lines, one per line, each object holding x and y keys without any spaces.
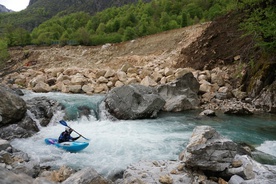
{"x":15,"y":5}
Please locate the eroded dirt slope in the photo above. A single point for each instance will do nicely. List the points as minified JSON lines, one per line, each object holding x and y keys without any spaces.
{"x":202,"y":46}
{"x":218,"y":45}
{"x":164,"y":46}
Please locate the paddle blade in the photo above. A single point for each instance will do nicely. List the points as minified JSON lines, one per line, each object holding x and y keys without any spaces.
{"x":63,"y":123}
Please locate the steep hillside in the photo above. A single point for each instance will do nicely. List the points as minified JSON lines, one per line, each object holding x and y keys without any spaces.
{"x":219,"y":44}
{"x":39,"y":11}
{"x":202,"y":46}
{"x":3,"y":9}
{"x":165,"y":46}
{"x":77,"y":5}
{"x":224,"y":44}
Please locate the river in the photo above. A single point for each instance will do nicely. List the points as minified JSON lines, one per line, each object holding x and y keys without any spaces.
{"x":114,"y":145}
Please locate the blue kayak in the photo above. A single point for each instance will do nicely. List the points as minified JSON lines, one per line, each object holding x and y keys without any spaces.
{"x":68,"y":146}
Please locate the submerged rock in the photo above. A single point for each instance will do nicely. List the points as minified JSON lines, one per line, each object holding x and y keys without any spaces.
{"x":208,"y":112}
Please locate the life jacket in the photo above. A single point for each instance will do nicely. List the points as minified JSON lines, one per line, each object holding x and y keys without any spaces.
{"x":64,"y":137}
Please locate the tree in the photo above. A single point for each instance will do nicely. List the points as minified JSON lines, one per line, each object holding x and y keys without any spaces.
{"x":164,"y":21}
{"x":261,"y":22}
{"x":43,"y":38}
{"x":82,"y":36}
{"x":214,"y":11}
{"x":184,"y":22}
{"x":194,"y":10}
{"x":4,"y":54}
{"x":21,"y":37}
{"x":112,"y":26}
{"x":64,"y":38}
{"x":101,"y":29}
{"x":129,"y":34}
{"x":173,"y":25}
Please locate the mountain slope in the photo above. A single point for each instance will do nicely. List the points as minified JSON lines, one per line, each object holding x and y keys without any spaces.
{"x":202,"y":46}
{"x":3,"y":9}
{"x":224,"y":44}
{"x":39,"y":11}
{"x":164,"y":46}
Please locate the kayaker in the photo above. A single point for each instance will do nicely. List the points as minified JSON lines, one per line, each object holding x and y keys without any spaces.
{"x":65,"y":136}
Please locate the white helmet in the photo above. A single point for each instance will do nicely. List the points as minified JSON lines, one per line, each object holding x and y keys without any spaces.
{"x":68,"y":129}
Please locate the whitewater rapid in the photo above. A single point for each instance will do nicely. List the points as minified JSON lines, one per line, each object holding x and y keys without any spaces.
{"x":114,"y":145}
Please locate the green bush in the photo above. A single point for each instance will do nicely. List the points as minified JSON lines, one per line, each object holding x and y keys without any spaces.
{"x":4,"y":54}
{"x":261,"y":22}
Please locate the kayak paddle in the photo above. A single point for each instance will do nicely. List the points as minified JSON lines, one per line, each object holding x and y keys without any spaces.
{"x":65,"y":124}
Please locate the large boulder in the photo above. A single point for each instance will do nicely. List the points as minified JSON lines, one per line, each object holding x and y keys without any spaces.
{"x":267,"y":99}
{"x":180,"y":94}
{"x":86,"y":176}
{"x":24,"y":128}
{"x":7,"y":177}
{"x":12,"y":107}
{"x":208,"y":150}
{"x":42,"y":109}
{"x":4,"y":144}
{"x":133,"y":102}
{"x":21,"y":121}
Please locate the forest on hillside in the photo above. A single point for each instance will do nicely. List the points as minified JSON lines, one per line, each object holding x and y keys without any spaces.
{"x":117,"y":24}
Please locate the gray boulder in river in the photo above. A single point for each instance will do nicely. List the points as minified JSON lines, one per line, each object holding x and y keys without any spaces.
{"x":17,"y":117}
{"x":208,"y":150}
{"x":133,"y":102}
{"x":12,"y":107}
{"x":180,"y":94}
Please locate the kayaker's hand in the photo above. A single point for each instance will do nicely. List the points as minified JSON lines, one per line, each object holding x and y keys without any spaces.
{"x":79,"y":137}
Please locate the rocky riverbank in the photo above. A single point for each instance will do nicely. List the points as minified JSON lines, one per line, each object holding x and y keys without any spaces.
{"x":216,"y":90}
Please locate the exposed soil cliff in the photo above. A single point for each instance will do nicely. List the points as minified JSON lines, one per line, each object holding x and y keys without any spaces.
{"x":165,"y":46}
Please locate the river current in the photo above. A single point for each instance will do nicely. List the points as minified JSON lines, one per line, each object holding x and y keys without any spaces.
{"x":114,"y":145}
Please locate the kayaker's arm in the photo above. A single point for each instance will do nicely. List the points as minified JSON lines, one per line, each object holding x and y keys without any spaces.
{"x":76,"y":138}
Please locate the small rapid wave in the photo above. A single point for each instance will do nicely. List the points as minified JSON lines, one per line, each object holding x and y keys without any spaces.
{"x":268,"y":147}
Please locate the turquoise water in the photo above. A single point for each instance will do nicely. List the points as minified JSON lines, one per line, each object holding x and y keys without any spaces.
{"x":115,"y":145}
{"x":253,"y":129}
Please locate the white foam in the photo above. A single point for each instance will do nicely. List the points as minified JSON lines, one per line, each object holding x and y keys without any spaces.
{"x":113,"y":145}
{"x":268,"y":147}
